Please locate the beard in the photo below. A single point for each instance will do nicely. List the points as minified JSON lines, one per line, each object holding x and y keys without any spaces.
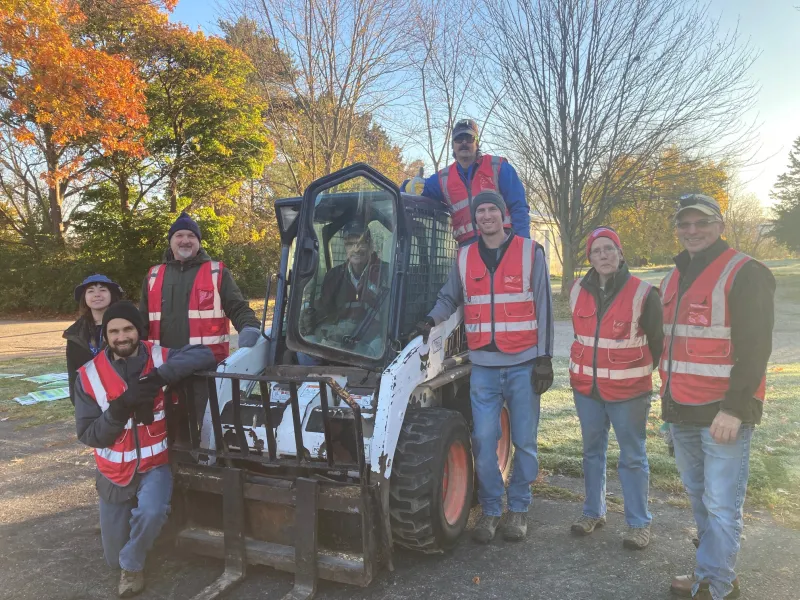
{"x":124,"y":349}
{"x":185,"y":253}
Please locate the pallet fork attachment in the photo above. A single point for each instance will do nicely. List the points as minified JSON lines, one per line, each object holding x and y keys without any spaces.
{"x":273,"y":507}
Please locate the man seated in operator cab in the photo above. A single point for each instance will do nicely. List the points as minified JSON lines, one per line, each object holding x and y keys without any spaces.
{"x":348,"y":311}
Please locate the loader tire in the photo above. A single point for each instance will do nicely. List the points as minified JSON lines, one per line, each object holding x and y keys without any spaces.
{"x":432,"y":478}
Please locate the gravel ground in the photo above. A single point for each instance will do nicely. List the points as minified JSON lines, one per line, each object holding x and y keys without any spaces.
{"x":50,"y":547}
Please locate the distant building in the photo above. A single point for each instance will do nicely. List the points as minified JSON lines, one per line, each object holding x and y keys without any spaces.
{"x":545,"y":231}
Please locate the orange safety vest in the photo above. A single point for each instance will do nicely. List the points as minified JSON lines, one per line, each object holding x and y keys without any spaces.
{"x":615,"y":354}
{"x":208,"y":324}
{"x":500,"y":306}
{"x":698,"y":354}
{"x":139,"y":447}
{"x":459,"y":196}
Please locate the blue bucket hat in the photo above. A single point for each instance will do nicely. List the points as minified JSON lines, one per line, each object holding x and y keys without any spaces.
{"x":92,"y":279}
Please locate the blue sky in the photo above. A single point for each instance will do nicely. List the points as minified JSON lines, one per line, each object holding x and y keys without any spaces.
{"x":772,"y":26}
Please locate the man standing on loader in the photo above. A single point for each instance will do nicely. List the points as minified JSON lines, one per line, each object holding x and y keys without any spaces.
{"x":472,"y":173}
{"x":189,"y":298}
{"x":718,"y":318}
{"x":503,"y":284}
{"x":120,"y":412}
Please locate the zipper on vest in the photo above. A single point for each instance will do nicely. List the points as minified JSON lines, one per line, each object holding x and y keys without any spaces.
{"x":594,"y":350}
{"x":672,"y":335}
{"x":491,"y":297}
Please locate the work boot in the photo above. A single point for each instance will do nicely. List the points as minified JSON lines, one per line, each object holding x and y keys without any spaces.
{"x":485,"y":529}
{"x":516,"y":526}
{"x":682,"y":586}
{"x":130,"y":583}
{"x":636,"y":538}
{"x":586,"y":525}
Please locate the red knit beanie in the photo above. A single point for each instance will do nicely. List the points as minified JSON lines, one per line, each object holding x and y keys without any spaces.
{"x":607,"y":232}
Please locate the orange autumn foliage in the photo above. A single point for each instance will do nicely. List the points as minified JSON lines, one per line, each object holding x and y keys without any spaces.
{"x":61,"y":90}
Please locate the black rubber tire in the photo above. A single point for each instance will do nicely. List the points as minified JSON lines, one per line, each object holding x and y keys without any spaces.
{"x":415,"y":496}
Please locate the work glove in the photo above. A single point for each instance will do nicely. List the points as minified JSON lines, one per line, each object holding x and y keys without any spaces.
{"x":542,"y":374}
{"x":143,"y":413}
{"x":423,"y":328}
{"x":248,"y":337}
{"x":121,"y":407}
{"x":149,"y":385}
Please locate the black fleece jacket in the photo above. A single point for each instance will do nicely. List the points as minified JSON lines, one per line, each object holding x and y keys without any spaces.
{"x":751,"y":302}
{"x":78,"y":351}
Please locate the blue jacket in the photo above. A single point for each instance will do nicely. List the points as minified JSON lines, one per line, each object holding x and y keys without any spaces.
{"x":510,"y":188}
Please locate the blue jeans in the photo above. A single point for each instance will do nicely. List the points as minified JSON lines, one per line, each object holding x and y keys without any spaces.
{"x":129,"y":529}
{"x":715,"y":477}
{"x":629,"y":419}
{"x":490,"y":388}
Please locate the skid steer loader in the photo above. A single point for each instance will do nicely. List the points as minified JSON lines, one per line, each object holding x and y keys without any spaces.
{"x":340,"y":434}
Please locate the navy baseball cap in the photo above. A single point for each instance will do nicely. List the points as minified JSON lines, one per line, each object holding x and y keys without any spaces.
{"x":92,"y":279}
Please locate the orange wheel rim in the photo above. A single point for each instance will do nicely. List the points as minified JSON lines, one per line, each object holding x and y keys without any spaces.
{"x":504,"y":445}
{"x":454,"y":483}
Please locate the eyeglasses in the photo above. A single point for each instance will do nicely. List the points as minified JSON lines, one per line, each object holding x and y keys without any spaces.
{"x":699,"y":224}
{"x":464,"y":137}
{"x":604,"y":250}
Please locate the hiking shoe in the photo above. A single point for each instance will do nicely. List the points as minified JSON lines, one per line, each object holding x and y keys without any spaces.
{"x":682,"y":586}
{"x":130,"y":583}
{"x":636,"y":538}
{"x":516,"y":526}
{"x":586,"y":525}
{"x":485,"y":529}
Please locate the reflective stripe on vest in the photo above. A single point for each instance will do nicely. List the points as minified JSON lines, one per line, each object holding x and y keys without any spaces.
{"x":458,"y":195}
{"x":208,"y":324}
{"x":615,"y":357}
{"x":139,"y":447}
{"x":698,"y":352}
{"x":507,"y":295}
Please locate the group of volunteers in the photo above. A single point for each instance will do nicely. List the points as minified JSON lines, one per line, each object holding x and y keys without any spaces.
{"x":121,"y":358}
{"x":707,"y":329}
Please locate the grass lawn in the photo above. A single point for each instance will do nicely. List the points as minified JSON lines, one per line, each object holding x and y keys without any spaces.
{"x":35,"y":414}
{"x":775,"y":455}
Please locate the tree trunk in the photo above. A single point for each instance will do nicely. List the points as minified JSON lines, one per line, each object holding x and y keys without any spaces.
{"x":53,"y":186}
{"x":172,"y":190}
{"x":124,"y":193}
{"x":568,"y":264}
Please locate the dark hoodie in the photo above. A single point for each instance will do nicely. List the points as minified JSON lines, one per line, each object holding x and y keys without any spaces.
{"x":650,"y":321}
{"x":178,"y":281}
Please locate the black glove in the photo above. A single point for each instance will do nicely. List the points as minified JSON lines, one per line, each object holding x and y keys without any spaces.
{"x":542,"y":374}
{"x":150,"y":384}
{"x":121,"y":407}
{"x":423,"y":328}
{"x":143,"y":413}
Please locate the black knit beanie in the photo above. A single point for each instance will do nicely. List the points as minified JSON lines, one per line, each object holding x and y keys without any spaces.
{"x":123,"y":309}
{"x":184,"y":222}
{"x":488,"y":197}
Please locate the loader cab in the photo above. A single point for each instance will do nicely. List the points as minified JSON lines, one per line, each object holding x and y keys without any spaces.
{"x":358,"y":313}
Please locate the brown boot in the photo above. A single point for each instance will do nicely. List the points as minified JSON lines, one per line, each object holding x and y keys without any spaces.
{"x":636,"y":538}
{"x":682,"y":586}
{"x":130,"y":583}
{"x":586,"y":525}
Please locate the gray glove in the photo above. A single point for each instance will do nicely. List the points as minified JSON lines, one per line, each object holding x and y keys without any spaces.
{"x":248,"y":337}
